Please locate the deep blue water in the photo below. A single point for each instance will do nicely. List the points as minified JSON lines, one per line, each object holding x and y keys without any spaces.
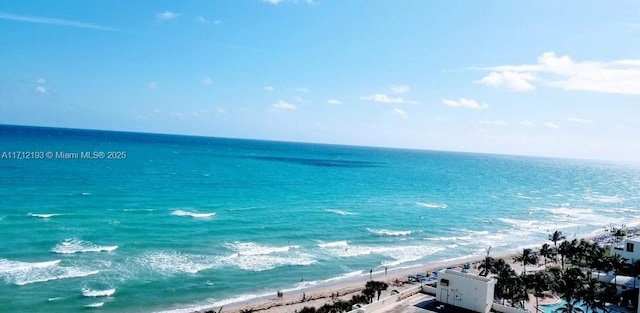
{"x":182,"y":221}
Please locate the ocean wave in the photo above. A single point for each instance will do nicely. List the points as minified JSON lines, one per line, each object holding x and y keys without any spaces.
{"x":431,"y":205}
{"x":399,"y":254}
{"x":251,"y":256}
{"x":192,"y":214}
{"x":451,"y":238}
{"x":73,"y":245}
{"x":173,"y":262}
{"x":340,"y":212}
{"x":334,"y":244}
{"x":387,"y":232}
{"x":8,"y":266}
{"x":94,"y":305}
{"x":24,"y":273}
{"x":86,"y":292}
{"x":252,"y":248}
{"x":43,"y":215}
{"x":604,"y":199}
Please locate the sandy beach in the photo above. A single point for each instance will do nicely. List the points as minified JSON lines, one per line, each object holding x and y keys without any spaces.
{"x":328,"y":292}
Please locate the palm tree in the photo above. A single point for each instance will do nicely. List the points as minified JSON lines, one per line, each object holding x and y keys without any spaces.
{"x":571,"y":306}
{"x":306,"y":309}
{"x":377,"y":286}
{"x":592,"y":295}
{"x":570,"y":284}
{"x":547,"y":252}
{"x":617,"y":263}
{"x":564,"y":250}
{"x":556,"y":236}
{"x":540,"y":282}
{"x":487,"y":266}
{"x":526,"y":257}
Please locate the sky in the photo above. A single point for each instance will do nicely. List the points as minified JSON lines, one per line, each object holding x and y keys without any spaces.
{"x":538,"y":78}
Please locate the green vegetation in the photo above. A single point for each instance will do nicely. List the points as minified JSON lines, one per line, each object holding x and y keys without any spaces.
{"x":340,"y":306}
{"x":572,"y":281}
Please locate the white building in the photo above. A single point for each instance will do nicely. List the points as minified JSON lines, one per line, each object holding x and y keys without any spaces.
{"x":466,"y":291}
{"x":630,"y":249}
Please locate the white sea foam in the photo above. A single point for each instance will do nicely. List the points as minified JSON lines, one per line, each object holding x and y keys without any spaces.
{"x":94,"y":305}
{"x":451,"y":238}
{"x":399,"y":254}
{"x":86,"y":193}
{"x":73,"y":245}
{"x":251,"y":256}
{"x":431,"y":205}
{"x":172,"y":262}
{"x":604,"y":199}
{"x":43,"y":215}
{"x":340,"y":212}
{"x":334,"y":244}
{"x":192,"y":214}
{"x":24,"y":273}
{"x":252,"y":248}
{"x":387,"y":232}
{"x":8,"y":266}
{"x":98,"y":293}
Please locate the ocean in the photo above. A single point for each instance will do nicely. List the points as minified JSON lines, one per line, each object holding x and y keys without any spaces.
{"x":128,"y":222}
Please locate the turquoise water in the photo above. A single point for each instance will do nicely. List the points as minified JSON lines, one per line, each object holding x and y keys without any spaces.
{"x":192,"y":221}
{"x":553,"y":308}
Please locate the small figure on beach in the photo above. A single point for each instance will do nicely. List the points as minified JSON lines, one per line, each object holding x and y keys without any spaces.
{"x":280,"y":294}
{"x":370,"y":273}
{"x":385,"y":271}
{"x":304,"y":297}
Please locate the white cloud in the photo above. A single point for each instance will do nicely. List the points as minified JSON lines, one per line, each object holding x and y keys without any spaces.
{"x":383,"y":98}
{"x":465,"y":103}
{"x":269,"y":88}
{"x":399,"y":88}
{"x":41,"y":90}
{"x":178,"y":115}
{"x":153,"y":85}
{"x":272,"y":1}
{"x":217,"y":22}
{"x":207,"y":81}
{"x":302,"y":89}
{"x":334,"y":101}
{"x":496,"y":123}
{"x":578,"y":120}
{"x":167,"y":15}
{"x":551,"y":125}
{"x":508,"y":79}
{"x":41,"y":81}
{"x":527,"y":123}
{"x":221,"y":110}
{"x":619,"y":77}
{"x":202,"y":20}
{"x":52,"y":21}
{"x":400,"y":113}
{"x":283,"y":106}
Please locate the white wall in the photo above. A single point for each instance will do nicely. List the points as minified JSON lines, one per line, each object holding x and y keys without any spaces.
{"x":631,"y":256}
{"x":507,"y":309}
{"x":464,"y":290}
{"x":390,"y":300}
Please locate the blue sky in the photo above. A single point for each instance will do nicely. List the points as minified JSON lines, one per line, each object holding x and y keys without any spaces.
{"x":543,"y":78}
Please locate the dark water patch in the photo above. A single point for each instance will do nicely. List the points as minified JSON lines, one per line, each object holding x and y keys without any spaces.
{"x":320,"y":162}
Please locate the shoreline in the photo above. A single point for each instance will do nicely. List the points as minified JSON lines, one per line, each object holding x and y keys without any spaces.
{"x":344,"y":287}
